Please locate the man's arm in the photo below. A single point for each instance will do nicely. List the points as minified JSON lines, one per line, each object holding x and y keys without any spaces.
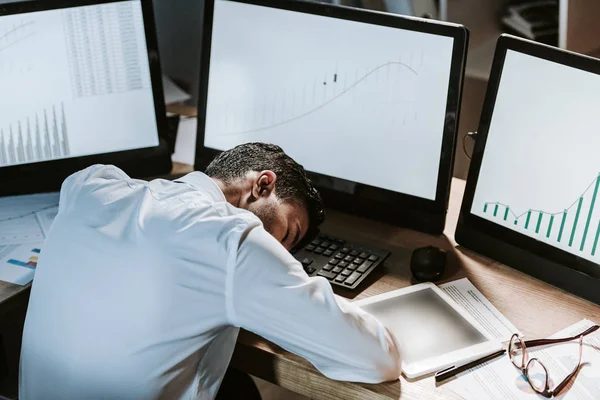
{"x":95,"y":174}
{"x":270,"y":294}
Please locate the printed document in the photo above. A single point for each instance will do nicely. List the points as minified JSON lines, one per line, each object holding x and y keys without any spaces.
{"x":24,"y":224}
{"x":499,"y":379}
{"x":466,"y":294}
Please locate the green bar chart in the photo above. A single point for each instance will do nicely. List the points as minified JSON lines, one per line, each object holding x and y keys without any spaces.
{"x":579,"y":203}
{"x":577,"y":225}
{"x":550,"y":226}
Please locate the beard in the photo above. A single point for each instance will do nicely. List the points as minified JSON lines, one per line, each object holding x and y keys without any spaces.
{"x":266,"y":213}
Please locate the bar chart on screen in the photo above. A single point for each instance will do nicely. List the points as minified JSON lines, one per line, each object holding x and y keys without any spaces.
{"x":74,"y":82}
{"x":540,"y":172}
{"x":40,"y":137}
{"x":576,"y":226}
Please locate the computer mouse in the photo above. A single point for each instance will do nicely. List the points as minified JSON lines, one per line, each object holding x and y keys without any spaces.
{"x":428,"y":263}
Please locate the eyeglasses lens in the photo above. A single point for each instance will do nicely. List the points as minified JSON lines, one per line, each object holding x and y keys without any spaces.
{"x":537,"y":375}
{"x":515,"y":350}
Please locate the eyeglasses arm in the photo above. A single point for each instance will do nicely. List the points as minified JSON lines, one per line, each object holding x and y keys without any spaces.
{"x":544,"y":342}
{"x":566,"y":381}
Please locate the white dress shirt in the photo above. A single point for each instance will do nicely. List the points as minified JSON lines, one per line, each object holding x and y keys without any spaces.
{"x":141,"y":289}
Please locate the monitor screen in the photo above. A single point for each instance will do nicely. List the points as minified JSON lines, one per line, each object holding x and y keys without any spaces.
{"x":74,"y":82}
{"x":352,"y":100}
{"x":539,"y":174}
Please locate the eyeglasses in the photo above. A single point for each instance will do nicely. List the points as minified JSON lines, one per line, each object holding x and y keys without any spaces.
{"x":534,"y":371}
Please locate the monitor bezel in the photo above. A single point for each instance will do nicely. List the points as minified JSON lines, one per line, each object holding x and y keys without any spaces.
{"x":376,"y":203}
{"x":49,"y":175}
{"x":519,"y":251}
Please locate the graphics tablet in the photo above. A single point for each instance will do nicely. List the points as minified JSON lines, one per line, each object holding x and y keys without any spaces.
{"x":432,"y":331}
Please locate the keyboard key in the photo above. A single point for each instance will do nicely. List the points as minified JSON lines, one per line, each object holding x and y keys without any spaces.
{"x":365,"y":266}
{"x":340,"y":241}
{"x":363,"y":255}
{"x":340,"y":279}
{"x":306,"y":262}
{"x":310,"y":247}
{"x":345,"y":250}
{"x":328,"y":267}
{"x":315,"y":242}
{"x":334,"y":247}
{"x":358,"y":260}
{"x":327,"y":274}
{"x":346,"y":272}
{"x":352,"y":278}
{"x":327,"y":253}
{"x":373,"y":258}
{"x":354,"y":253}
{"x":352,"y":267}
{"x":339,"y":256}
{"x":347,"y":258}
{"x":344,"y":264}
{"x":319,"y":250}
{"x":334,"y":261}
{"x":310,"y":270}
{"x":337,"y":269}
{"x":325,"y":244}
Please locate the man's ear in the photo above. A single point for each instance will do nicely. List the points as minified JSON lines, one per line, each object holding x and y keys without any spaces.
{"x":264,"y":185}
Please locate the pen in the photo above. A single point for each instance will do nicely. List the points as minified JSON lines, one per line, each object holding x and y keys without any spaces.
{"x":449,"y":372}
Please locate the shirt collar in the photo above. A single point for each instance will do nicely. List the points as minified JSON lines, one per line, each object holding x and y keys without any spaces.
{"x":204,"y":183}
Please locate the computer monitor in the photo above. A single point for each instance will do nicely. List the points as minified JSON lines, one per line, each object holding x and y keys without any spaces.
{"x":368,"y":102}
{"x":77,"y":79}
{"x":532,"y":197}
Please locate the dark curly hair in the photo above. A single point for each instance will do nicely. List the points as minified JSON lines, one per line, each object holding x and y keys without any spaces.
{"x":292,"y":182}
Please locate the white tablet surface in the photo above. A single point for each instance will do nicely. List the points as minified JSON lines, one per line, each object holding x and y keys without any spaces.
{"x":433,"y":332}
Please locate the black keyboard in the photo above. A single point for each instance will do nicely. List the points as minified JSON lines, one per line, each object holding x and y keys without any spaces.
{"x":343,"y":263}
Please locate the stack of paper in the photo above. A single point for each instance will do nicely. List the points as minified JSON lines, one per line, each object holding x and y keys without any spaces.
{"x":472,"y":300}
{"x":24,"y":224}
{"x":185,"y":145}
{"x":499,"y":379}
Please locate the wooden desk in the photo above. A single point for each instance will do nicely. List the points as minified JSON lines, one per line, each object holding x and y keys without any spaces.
{"x":536,"y":308}
{"x":533,"y":306}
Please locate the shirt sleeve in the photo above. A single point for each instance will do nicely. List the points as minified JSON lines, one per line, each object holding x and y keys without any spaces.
{"x":272,"y":296}
{"x":91,"y":176}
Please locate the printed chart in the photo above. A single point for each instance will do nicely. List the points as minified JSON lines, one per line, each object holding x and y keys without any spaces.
{"x":24,"y":223}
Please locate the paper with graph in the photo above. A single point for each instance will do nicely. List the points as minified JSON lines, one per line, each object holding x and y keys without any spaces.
{"x":24,"y":225}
